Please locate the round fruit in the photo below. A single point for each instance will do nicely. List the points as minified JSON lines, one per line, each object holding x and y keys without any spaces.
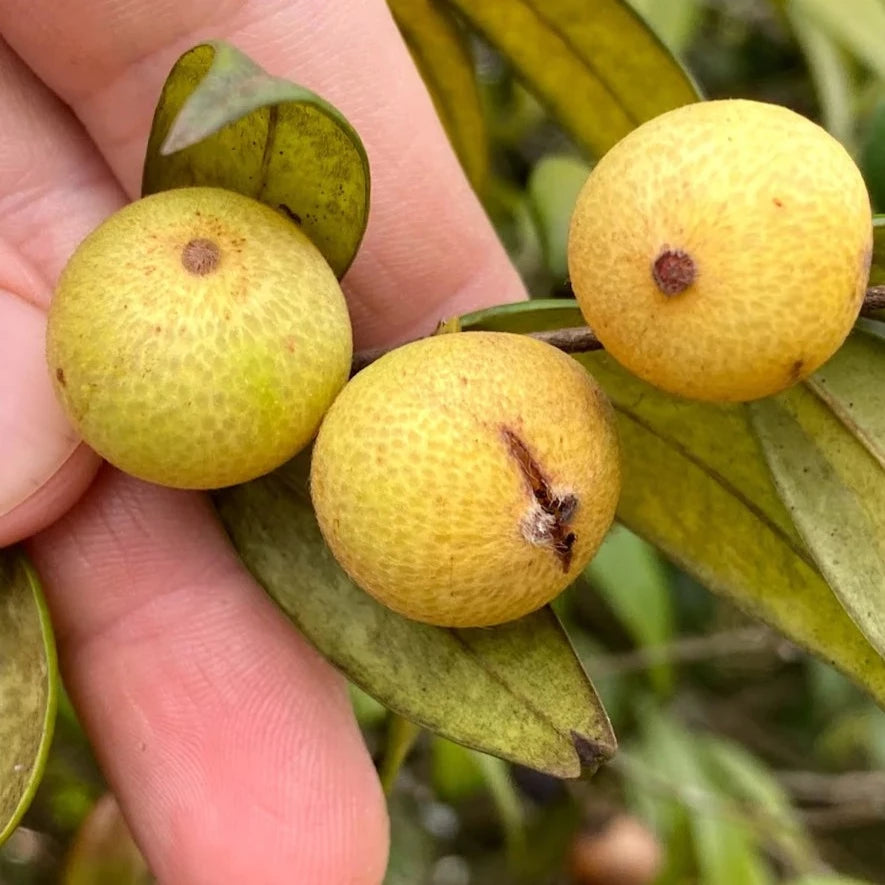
{"x":466,"y":479}
{"x":197,"y":337}
{"x":721,"y":251}
{"x":624,"y":852}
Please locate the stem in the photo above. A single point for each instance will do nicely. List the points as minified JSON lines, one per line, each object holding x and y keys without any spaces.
{"x":401,"y":736}
{"x":580,"y":339}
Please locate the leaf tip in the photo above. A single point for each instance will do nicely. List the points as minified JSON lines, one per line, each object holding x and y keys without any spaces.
{"x":592,"y":753}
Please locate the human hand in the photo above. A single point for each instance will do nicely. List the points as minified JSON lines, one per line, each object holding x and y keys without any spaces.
{"x":229,"y":742}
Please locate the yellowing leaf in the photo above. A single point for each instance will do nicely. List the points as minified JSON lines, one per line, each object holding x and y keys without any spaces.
{"x":595,"y":63}
{"x":515,"y":691}
{"x":222,"y":121}
{"x":835,"y":490}
{"x":697,"y":486}
{"x":441,"y":54}
{"x":28,"y":687}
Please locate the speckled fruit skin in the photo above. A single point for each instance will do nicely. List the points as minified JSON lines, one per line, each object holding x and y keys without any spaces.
{"x":449,"y":476}
{"x":200,"y":377}
{"x":776,"y":219}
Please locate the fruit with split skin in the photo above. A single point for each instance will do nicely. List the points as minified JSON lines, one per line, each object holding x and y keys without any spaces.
{"x":721,"y":251}
{"x":466,"y":479}
{"x":197,"y":337}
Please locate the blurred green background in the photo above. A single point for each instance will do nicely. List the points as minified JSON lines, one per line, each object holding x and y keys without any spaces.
{"x":742,"y":760}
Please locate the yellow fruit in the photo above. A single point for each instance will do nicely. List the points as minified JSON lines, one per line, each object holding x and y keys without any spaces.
{"x":721,"y":250}
{"x":466,"y":479}
{"x":197,"y":337}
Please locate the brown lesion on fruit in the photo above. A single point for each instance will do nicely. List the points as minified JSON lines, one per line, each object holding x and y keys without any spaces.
{"x":673,"y":271}
{"x":200,"y":256}
{"x":796,"y":370}
{"x":60,"y":377}
{"x":546,"y":522}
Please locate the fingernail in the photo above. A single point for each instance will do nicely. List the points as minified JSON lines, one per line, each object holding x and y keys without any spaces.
{"x":35,"y":436}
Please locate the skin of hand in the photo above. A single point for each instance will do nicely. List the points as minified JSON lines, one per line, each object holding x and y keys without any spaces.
{"x":228,"y":741}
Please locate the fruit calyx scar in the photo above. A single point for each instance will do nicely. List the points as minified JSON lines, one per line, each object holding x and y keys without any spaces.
{"x":673,"y":270}
{"x":546,"y":522}
{"x":200,"y":256}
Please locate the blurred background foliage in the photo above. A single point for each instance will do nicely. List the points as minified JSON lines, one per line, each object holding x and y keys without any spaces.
{"x":742,"y":759}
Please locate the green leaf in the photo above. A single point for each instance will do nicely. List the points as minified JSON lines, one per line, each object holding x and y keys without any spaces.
{"x":744,"y":777}
{"x":439,"y":49}
{"x":835,"y":490}
{"x":595,"y":63}
{"x":858,"y":25}
{"x":631,"y":578}
{"x":726,"y":840}
{"x":515,"y":691}
{"x":28,"y":687}
{"x":454,"y":771}
{"x":222,"y":121}
{"x":830,"y":72}
{"x":553,"y":188}
{"x":850,"y":384}
{"x":674,"y":22}
{"x":695,"y":484}
{"x":401,"y":737}
{"x":103,"y":852}
{"x":539,"y":315}
{"x":871,"y":160}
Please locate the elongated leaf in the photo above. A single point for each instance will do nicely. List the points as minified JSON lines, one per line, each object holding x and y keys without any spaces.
{"x":831,"y":73}
{"x":743,"y":776}
{"x":595,"y":63}
{"x":222,"y":121}
{"x":28,"y":684}
{"x":515,"y":691}
{"x":442,"y":56}
{"x":633,"y":581}
{"x":725,"y":839}
{"x":695,"y":484}
{"x":851,"y":385}
{"x":859,"y":25}
{"x":552,"y":191}
{"x":675,"y":23}
{"x":835,"y":490}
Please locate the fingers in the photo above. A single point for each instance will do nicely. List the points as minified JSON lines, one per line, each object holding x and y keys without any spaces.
{"x":229,"y":742}
{"x":53,"y":189}
{"x":429,"y":251}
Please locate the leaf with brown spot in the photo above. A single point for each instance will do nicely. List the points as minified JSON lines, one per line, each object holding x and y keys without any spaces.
{"x":516,"y":691}
{"x":28,"y":685}
{"x":222,"y":121}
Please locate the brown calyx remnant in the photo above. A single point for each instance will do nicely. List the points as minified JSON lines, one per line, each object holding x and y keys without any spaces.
{"x":673,"y":271}
{"x":200,"y":256}
{"x":546,"y":524}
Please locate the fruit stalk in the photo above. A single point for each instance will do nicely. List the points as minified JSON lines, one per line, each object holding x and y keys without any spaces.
{"x":580,"y":339}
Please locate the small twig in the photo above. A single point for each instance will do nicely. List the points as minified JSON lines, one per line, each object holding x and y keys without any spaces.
{"x":874,"y":300}
{"x":691,"y":649}
{"x":836,"y":789}
{"x":580,"y":339}
{"x":851,"y":799}
{"x":842,"y":817}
